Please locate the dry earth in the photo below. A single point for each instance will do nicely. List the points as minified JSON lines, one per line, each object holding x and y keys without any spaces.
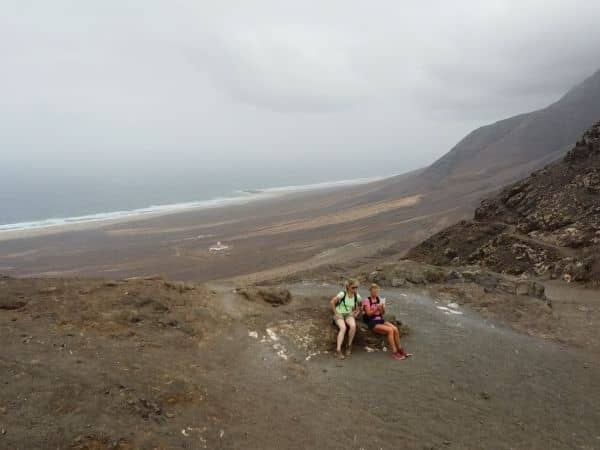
{"x":90,"y":364}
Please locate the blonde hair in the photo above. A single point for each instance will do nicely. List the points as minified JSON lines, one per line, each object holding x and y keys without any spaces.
{"x":374,"y":286}
{"x":349,"y":282}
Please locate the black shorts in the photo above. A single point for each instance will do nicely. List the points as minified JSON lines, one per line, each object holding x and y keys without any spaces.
{"x":372,"y":322}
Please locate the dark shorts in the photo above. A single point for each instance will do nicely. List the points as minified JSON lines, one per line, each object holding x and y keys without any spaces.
{"x":372,"y":322}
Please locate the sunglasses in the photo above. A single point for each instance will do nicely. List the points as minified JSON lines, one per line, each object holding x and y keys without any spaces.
{"x":353,"y":287}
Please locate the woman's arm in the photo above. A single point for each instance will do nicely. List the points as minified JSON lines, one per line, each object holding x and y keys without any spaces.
{"x":369,"y":310}
{"x":333,"y":303}
{"x":377,"y":309}
{"x":357,"y":305}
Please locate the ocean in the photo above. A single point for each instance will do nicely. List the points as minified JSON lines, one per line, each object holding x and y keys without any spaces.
{"x":45,"y":201}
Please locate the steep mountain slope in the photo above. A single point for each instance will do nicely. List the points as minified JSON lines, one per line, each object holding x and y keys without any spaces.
{"x":505,"y":151}
{"x":547,"y":224}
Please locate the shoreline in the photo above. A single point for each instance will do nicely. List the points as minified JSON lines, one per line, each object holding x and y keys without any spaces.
{"x":291,"y":230}
{"x":50,"y":226}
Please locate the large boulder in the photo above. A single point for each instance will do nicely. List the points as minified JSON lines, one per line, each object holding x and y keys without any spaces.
{"x":272,"y":295}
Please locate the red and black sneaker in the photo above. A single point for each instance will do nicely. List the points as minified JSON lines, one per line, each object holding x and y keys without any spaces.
{"x":403,"y":353}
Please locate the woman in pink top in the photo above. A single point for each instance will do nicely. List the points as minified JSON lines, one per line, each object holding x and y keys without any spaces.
{"x":374,"y":310}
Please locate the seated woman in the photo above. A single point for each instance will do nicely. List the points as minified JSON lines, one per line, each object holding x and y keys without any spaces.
{"x":345,"y":306}
{"x":374,"y":310}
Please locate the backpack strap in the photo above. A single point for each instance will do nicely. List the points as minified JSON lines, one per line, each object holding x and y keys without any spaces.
{"x":371,"y":301}
{"x":342,"y":300}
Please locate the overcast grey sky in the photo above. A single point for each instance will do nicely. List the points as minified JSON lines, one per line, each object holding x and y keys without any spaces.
{"x":384,"y":85}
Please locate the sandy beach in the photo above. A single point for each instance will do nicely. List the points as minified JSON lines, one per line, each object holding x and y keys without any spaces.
{"x":266,"y":237}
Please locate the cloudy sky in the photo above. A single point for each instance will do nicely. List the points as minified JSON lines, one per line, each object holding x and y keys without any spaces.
{"x":338,"y":87}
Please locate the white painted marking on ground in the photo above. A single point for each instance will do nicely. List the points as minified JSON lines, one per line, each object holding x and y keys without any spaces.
{"x":272,"y":335}
{"x":218,"y":248}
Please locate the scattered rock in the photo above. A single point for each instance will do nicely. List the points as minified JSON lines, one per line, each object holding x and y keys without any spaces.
{"x":374,"y":277}
{"x":398,"y":282}
{"x":453,"y":275}
{"x":450,"y":253}
{"x":146,"y":409}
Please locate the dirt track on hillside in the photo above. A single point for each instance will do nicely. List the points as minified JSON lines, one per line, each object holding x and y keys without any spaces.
{"x":148,"y":364}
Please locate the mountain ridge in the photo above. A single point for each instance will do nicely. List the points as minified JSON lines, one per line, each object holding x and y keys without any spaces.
{"x":509,"y":149}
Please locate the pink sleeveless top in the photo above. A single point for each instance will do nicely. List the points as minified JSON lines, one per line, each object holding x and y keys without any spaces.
{"x":368,"y":302}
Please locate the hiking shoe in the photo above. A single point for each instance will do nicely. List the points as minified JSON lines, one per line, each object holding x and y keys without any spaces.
{"x":339,"y":355}
{"x":348,"y":351}
{"x":403,"y":353}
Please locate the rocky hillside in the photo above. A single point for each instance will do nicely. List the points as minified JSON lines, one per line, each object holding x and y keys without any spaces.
{"x":547,"y":224}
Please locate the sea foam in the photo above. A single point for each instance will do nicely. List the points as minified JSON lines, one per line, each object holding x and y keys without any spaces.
{"x":239,"y":198}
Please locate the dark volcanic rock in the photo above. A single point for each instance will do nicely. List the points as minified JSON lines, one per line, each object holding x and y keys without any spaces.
{"x":547,"y":224}
{"x":12,"y":303}
{"x":367,"y":338}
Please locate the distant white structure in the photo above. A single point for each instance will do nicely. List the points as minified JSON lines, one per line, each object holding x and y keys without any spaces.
{"x":218,"y":248}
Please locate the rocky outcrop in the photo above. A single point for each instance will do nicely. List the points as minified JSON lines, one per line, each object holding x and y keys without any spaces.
{"x":408,"y":273}
{"x":366,"y":338}
{"x":547,"y":224}
{"x":273,"y":296}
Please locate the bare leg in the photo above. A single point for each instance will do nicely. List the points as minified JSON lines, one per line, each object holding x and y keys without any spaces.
{"x":389,"y":332}
{"x":351,"y":331}
{"x":396,"y":334}
{"x":340,"y":337}
{"x":397,"y":340}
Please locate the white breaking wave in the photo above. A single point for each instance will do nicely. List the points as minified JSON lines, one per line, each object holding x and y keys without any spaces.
{"x":241,"y":198}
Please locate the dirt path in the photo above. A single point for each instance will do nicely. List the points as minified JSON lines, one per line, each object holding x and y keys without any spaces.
{"x":471,"y":384}
{"x":578,"y":311}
